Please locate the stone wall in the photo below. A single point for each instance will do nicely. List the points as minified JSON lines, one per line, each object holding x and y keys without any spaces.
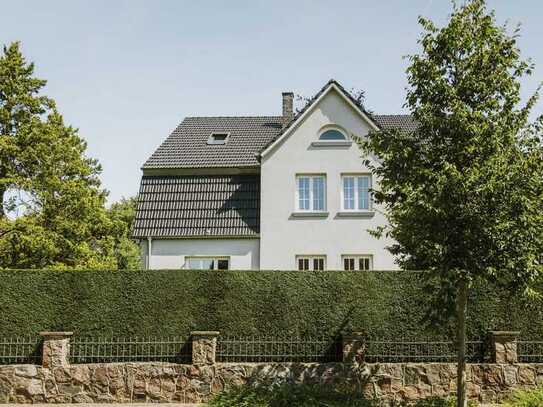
{"x":59,"y":381}
{"x":162,"y":382}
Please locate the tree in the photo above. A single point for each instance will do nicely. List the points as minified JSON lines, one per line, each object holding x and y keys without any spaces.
{"x":52,"y":211}
{"x":126,"y":251}
{"x":463,"y":193}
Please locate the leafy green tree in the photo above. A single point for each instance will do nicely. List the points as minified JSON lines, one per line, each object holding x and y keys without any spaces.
{"x":52,"y":210}
{"x":464,"y":192}
{"x":126,"y":251}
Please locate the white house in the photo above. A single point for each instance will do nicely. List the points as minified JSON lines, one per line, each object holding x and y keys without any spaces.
{"x":267,"y":192}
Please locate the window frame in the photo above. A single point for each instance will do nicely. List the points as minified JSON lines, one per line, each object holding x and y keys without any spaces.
{"x":211,"y":140}
{"x":215,"y":259}
{"x":356,"y":258}
{"x":326,"y":130}
{"x":356,"y":193}
{"x":311,"y":259}
{"x":311,"y":208}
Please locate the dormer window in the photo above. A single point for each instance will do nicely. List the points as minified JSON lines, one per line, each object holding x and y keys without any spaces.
{"x":332,"y":135}
{"x":217,"y":138}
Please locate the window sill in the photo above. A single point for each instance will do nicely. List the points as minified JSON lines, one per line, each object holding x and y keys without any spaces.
{"x":356,"y":214}
{"x":309,"y":214}
{"x":338,"y":143}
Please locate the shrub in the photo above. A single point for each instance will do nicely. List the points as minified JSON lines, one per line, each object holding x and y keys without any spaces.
{"x":440,"y":402}
{"x":525,"y":398}
{"x":273,"y":303}
{"x":287,"y":396}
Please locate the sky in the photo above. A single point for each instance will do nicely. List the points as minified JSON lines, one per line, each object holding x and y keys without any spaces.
{"x":126,"y":72}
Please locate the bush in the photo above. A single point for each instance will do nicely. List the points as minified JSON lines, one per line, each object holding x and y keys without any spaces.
{"x":273,"y":303}
{"x":287,"y":396}
{"x":440,"y":402}
{"x":525,"y":398}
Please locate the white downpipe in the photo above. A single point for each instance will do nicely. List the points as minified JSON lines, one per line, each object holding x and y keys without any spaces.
{"x":149,"y":246}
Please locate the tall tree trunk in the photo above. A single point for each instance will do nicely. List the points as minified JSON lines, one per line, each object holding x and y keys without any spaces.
{"x":2,"y":193}
{"x":461,"y":302}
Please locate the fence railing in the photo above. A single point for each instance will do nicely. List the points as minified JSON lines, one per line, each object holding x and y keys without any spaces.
{"x":210,"y":347}
{"x":530,"y":351}
{"x":108,"y":350}
{"x":382,"y":350}
{"x":270,"y":349}
{"x":21,"y":350}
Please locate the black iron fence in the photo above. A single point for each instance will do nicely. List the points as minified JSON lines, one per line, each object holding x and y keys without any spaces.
{"x":530,"y":351}
{"x":404,"y":350}
{"x":272,"y":349}
{"x":28,"y":350}
{"x":109,"y":350}
{"x":21,"y":350}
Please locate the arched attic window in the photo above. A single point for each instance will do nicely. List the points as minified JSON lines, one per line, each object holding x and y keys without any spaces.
{"x":332,"y":135}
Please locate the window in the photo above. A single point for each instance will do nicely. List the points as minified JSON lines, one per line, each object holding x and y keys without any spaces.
{"x":356,"y":192}
{"x":217,"y":138}
{"x":311,"y":193}
{"x":363,"y":263}
{"x":311,"y":263}
{"x":332,"y":135}
{"x":208,"y":263}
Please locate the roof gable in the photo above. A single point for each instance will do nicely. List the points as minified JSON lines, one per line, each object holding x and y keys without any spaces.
{"x":331,"y":86}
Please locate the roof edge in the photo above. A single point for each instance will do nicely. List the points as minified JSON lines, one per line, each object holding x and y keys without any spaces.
{"x":249,"y":170}
{"x":197,"y":237}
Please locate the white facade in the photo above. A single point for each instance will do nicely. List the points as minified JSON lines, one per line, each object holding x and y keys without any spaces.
{"x":285,"y":233}
{"x":323,"y":238}
{"x":172,"y":253}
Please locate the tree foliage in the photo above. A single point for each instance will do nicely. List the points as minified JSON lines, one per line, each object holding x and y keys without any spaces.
{"x":464,"y":192}
{"x":52,"y":210}
{"x":126,"y":251}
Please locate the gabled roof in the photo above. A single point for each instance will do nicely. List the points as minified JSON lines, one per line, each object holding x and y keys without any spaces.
{"x":404,"y":122}
{"x":187,"y":146}
{"x":198,"y":206}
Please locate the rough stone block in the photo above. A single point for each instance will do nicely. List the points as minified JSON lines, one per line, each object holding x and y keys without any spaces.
{"x":56,"y":349}
{"x":504,"y":346}
{"x":354,"y":347}
{"x":204,"y":347}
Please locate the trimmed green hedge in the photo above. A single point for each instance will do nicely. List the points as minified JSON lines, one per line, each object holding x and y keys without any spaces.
{"x":174,"y":302}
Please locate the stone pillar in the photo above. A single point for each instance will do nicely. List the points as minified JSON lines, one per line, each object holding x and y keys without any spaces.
{"x":354,"y":347}
{"x":204,"y":346}
{"x":56,"y":349}
{"x":504,"y":346}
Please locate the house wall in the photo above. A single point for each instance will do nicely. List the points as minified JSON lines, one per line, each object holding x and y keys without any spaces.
{"x":171,"y":253}
{"x":284,"y":236}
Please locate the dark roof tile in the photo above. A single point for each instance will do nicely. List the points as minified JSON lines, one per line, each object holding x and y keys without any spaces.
{"x":198,"y":206}
{"x":187,"y":146}
{"x":401,"y":121}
